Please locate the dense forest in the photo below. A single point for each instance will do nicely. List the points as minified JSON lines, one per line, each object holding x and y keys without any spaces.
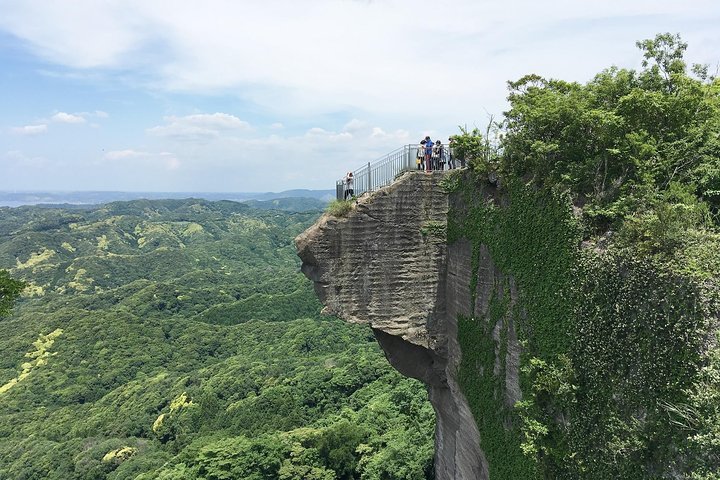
{"x":177,"y":339}
{"x":610,"y":225}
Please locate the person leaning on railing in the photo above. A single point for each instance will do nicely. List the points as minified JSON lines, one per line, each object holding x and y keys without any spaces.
{"x":349,"y":185}
{"x":438,"y":156}
{"x":421,"y":155}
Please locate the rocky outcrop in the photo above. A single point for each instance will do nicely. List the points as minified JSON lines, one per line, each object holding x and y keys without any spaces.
{"x":388,"y":265}
{"x":587,"y":318}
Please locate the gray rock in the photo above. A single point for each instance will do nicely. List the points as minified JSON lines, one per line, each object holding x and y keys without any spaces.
{"x":388,"y":265}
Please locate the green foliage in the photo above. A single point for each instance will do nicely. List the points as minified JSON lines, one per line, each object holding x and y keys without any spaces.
{"x":551,"y":397}
{"x":9,"y":291}
{"x":484,"y":392}
{"x":481,"y":151}
{"x":618,"y":141}
{"x":469,"y":145}
{"x":191,"y":347}
{"x":642,"y":328}
{"x":339,"y":208}
{"x":699,"y":420}
{"x":451,"y":181}
{"x":608,"y":336}
{"x":434,"y":229}
{"x":614,"y":335}
{"x":533,"y":238}
{"x":665,"y":226}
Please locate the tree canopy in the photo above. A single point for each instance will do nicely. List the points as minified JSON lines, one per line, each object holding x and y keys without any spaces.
{"x":178,"y":339}
{"x":10,"y":289}
{"x":627,"y":141}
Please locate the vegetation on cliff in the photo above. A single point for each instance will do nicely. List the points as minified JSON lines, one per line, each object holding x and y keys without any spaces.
{"x":178,"y":340}
{"x":607,"y":220}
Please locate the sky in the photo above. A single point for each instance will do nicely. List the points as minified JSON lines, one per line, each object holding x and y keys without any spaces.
{"x":250,"y":96}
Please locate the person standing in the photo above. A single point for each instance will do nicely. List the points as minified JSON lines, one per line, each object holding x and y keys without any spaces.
{"x":439,"y":155}
{"x":421,"y":155}
{"x":428,"y":154}
{"x":451,"y":159}
{"x":349,"y":185}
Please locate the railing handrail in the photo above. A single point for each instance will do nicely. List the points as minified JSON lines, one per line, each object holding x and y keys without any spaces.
{"x":383,"y":171}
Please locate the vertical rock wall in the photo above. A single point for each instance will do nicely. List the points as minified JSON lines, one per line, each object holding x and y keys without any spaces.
{"x":387,"y":264}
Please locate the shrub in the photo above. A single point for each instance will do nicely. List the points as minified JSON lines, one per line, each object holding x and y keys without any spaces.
{"x":339,"y":208}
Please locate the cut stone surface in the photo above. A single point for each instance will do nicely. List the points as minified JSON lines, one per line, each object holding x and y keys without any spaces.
{"x":387,"y":265}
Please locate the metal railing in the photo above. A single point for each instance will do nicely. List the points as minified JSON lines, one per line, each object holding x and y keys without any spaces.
{"x":382,"y":172}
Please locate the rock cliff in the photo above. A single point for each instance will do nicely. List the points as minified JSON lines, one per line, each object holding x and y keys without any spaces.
{"x":606,"y":343}
{"x":388,"y":265}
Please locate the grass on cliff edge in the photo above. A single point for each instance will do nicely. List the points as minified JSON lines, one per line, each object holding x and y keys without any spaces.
{"x":339,"y":208}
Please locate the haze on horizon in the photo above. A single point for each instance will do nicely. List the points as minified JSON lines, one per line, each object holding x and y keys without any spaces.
{"x":139,"y":96}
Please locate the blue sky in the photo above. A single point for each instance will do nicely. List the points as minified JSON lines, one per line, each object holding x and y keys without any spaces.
{"x":227,"y":95}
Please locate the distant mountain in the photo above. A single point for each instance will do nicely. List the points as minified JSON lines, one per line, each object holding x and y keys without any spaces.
{"x":324,"y":195}
{"x":16,"y":199}
{"x":292,"y":204}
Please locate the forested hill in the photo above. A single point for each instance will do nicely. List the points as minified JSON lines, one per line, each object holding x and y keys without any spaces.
{"x":177,"y":339}
{"x":209,"y":260}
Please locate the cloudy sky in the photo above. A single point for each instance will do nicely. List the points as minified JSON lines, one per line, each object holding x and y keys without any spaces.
{"x":246,"y":95}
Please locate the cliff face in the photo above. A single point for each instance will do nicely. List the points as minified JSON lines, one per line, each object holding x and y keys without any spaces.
{"x":388,"y":265}
{"x":606,"y":343}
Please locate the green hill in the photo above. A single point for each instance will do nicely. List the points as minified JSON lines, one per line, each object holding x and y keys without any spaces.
{"x":177,"y":339}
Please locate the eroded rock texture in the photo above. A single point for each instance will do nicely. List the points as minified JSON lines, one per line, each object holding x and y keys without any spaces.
{"x":388,"y":265}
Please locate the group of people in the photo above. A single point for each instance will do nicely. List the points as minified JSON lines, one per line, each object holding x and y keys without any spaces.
{"x":434,"y":155}
{"x":430,"y":156}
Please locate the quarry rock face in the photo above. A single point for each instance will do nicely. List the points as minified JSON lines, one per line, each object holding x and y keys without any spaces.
{"x":387,"y":264}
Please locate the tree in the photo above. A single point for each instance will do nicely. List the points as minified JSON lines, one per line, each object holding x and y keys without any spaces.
{"x":617,"y":143}
{"x":10,"y":289}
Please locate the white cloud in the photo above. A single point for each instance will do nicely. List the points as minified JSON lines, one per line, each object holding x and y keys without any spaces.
{"x":200,"y":127}
{"x":62,"y":117}
{"x":328,"y":54}
{"x":123,"y":154}
{"x":318,"y":132}
{"x":364,"y":74}
{"x":29,"y":130}
{"x":354,"y":125}
{"x":378,"y":132}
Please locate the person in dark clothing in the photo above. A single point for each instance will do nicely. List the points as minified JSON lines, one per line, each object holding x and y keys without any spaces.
{"x":439,"y":155}
{"x":451,"y":159}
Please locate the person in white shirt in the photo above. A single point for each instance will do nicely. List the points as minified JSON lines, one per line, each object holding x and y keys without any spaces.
{"x":349,"y":185}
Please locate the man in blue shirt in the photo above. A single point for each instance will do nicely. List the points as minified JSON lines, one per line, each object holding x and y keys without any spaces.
{"x":428,"y":154}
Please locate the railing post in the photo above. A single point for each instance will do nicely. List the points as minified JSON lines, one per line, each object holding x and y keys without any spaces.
{"x":369,"y":179}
